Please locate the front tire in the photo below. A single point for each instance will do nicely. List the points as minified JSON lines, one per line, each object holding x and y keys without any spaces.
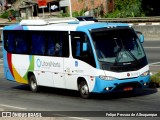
{"x":33,"y":83}
{"x":84,"y":90}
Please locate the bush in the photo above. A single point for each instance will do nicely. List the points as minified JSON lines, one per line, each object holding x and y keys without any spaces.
{"x":126,"y":8}
{"x":155,"y":80}
{"x":5,"y":14}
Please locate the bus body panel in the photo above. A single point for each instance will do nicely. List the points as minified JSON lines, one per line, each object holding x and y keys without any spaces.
{"x":7,"y":66}
{"x":119,"y":78}
{"x":75,"y":69}
{"x":128,"y":74}
{"x":49,"y":71}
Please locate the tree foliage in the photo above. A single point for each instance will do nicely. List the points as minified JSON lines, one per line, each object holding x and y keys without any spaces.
{"x":126,"y":8}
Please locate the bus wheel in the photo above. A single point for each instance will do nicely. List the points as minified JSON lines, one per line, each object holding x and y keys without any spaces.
{"x":33,"y":83}
{"x":84,"y":90}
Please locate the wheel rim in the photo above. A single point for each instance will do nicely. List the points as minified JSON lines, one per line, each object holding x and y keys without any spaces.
{"x":33,"y":84}
{"x":84,"y":90}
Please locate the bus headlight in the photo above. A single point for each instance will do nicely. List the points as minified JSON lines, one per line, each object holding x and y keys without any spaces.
{"x":106,"y":77}
{"x":145,"y":73}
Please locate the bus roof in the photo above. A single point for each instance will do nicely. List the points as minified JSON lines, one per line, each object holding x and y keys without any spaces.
{"x":63,"y":25}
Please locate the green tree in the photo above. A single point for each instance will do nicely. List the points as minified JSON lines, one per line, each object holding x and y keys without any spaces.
{"x":126,"y":8}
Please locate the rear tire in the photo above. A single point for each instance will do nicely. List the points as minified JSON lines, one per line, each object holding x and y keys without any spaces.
{"x":33,"y":83}
{"x":84,"y":90}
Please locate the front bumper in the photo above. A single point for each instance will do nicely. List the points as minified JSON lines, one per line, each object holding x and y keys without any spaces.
{"x":103,"y":86}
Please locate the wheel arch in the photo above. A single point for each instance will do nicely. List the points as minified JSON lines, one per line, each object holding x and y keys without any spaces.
{"x":29,"y":75}
{"x":80,"y":79}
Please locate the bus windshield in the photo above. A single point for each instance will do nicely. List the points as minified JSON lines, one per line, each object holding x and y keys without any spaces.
{"x":117,"y":45}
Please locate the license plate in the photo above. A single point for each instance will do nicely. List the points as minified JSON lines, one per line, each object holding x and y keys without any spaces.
{"x":128,"y":88}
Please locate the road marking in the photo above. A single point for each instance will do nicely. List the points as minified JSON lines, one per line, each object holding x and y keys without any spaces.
{"x":78,"y":118}
{"x":155,"y":23}
{"x":154,"y":63}
{"x":9,"y":106}
{"x":141,"y":24}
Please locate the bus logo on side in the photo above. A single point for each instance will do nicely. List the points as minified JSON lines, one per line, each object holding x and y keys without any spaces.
{"x":39,"y":63}
{"x":76,"y":63}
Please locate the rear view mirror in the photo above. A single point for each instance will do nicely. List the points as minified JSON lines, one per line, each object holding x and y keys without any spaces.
{"x":141,"y":36}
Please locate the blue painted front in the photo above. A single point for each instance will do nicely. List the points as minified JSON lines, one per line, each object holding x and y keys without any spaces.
{"x":100,"y":85}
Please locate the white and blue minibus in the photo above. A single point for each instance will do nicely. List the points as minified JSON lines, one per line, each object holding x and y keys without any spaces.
{"x":87,"y":56}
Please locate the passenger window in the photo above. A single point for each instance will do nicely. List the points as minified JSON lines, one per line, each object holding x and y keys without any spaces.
{"x":38,"y":44}
{"x":22,"y":43}
{"x":11,"y":42}
{"x":57,"y":44}
{"x":50,"y":45}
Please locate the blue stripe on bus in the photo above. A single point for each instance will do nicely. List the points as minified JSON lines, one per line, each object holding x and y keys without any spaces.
{"x":15,"y":27}
{"x":7,"y":72}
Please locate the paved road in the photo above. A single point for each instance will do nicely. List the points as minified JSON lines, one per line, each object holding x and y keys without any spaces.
{"x":17,"y":97}
{"x":152,"y":49}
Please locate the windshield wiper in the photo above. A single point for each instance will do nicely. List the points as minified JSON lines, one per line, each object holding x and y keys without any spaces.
{"x":131,"y":54}
{"x":118,"y":49}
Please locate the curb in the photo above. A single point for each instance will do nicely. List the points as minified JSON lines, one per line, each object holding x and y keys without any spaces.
{"x":143,"y":24}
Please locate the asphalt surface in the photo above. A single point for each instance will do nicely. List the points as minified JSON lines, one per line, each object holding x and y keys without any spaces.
{"x":152,"y":49}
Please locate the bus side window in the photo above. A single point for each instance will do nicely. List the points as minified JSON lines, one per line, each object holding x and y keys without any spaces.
{"x":77,"y":40}
{"x":59,"y":44}
{"x":58,"y":49}
{"x":50,"y":45}
{"x":21,"y":43}
{"x":11,"y":42}
{"x":38,"y":44}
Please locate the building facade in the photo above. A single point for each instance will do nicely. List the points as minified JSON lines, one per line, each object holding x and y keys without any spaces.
{"x":91,"y":7}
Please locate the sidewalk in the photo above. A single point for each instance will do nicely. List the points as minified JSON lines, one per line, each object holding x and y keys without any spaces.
{"x":2,"y":20}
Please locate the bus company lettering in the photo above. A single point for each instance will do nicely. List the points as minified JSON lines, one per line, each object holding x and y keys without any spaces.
{"x":47,"y":64}
{"x":50,"y":64}
{"x":134,"y":74}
